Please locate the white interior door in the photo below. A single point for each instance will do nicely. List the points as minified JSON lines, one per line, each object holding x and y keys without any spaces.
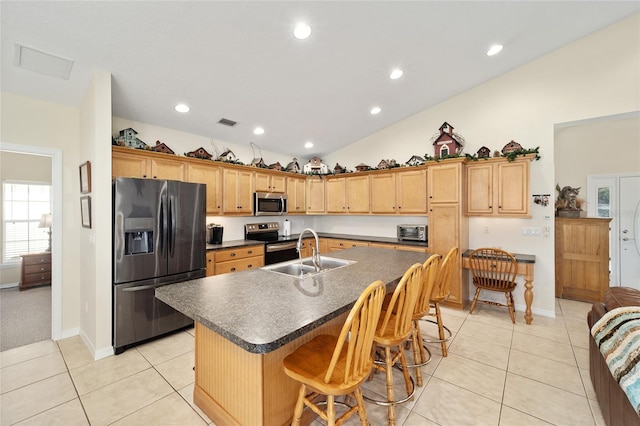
{"x":629,"y":231}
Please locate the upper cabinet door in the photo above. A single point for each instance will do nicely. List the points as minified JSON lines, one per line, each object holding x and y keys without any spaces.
{"x":480,"y":189}
{"x":210,"y":175}
{"x":315,"y":194}
{"x":443,"y":183}
{"x":358,"y":194}
{"x":128,"y":165}
{"x":336,"y":195}
{"x":513,"y":188}
{"x":411,"y":192}
{"x":382,"y":187}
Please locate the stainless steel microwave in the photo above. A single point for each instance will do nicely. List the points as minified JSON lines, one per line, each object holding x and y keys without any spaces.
{"x":412,"y":232}
{"x":270,"y":204}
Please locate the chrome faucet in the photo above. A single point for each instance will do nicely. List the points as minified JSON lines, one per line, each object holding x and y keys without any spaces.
{"x":315,"y":251}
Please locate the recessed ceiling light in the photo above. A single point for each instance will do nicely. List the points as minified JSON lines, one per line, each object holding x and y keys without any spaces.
{"x":302,"y":31}
{"x":182,"y":108}
{"x":308,"y":145}
{"x":258,"y":131}
{"x":396,"y":74}
{"x":375,"y":110}
{"x":494,"y":50}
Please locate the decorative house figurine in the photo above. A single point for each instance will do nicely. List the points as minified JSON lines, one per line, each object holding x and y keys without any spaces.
{"x":362,"y":167}
{"x":227,"y":156}
{"x":384,"y":164}
{"x":484,"y":152}
{"x":199,"y":153}
{"x":510,"y":147}
{"x":275,"y":166}
{"x":338,"y":169}
{"x":293,"y":166}
{"x":259,"y":163}
{"x":161,"y":147}
{"x":447,"y":143}
{"x":496,"y":153}
{"x":415,"y":160}
{"x":128,"y":138}
{"x":316,"y":166}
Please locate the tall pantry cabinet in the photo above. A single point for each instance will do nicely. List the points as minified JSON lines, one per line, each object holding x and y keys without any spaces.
{"x":448,"y":226}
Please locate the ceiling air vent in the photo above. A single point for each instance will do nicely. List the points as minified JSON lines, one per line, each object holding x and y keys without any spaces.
{"x":45,"y":63}
{"x":227,"y":122}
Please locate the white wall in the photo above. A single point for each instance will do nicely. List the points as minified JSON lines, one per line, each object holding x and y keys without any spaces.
{"x":95,"y":242}
{"x":30,"y":122}
{"x":599,"y":147}
{"x":595,"y":76}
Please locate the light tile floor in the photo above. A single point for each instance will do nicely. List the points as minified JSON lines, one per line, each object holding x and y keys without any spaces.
{"x":496,"y":374}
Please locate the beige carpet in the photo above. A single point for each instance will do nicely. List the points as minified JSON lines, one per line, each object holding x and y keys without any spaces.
{"x":25,"y":316}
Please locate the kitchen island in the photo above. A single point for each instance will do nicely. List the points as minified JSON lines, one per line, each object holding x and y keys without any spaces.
{"x":247,"y":322}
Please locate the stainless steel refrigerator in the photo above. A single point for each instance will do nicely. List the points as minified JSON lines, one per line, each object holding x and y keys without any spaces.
{"x":159,"y":237}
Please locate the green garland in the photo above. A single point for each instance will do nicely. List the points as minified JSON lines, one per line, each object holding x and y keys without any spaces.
{"x":510,"y":156}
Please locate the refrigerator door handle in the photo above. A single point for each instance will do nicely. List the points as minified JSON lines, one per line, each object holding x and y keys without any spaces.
{"x":162,"y":225}
{"x":172,"y":225}
{"x":140,"y":288}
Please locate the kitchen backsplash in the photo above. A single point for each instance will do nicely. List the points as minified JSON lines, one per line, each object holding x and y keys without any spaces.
{"x":376,"y":226}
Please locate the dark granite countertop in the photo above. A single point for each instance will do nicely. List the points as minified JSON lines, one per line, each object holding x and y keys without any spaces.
{"x":294,"y":237}
{"x":520,"y":258}
{"x":260,"y":310}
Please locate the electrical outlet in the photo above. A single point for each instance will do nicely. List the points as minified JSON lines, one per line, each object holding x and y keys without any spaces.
{"x":486,"y":229}
{"x":529,"y":231}
{"x":546,"y":231}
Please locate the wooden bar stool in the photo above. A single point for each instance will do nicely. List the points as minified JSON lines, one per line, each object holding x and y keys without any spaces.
{"x":421,"y":354}
{"x":439,"y":294}
{"x":335,"y":366}
{"x":394,"y":328}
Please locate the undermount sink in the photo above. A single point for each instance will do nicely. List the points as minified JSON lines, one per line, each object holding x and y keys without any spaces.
{"x":304,"y":268}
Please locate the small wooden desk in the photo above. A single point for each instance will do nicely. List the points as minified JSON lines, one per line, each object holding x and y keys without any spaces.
{"x":526,"y":262}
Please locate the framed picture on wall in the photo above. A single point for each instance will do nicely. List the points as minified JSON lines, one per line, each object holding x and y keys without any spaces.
{"x":85,"y":211}
{"x":85,"y":177}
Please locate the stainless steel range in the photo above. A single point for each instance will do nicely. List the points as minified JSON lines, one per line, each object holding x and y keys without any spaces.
{"x":279,"y":248}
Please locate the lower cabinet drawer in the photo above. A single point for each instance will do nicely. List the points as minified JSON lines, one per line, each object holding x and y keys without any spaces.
{"x":239,"y":265}
{"x":239,"y":253}
{"x":34,"y":279}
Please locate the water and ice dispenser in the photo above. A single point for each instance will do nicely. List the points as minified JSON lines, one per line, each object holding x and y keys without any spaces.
{"x":138,"y":235}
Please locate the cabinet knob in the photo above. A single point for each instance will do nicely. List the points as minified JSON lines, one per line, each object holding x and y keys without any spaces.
{"x":250,"y":266}
{"x":208,"y":260}
{"x":250,"y":251}
{"x":233,"y":269}
{"x":232,"y":255}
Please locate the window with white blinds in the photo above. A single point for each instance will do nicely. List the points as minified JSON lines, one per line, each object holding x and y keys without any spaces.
{"x":23,"y":207}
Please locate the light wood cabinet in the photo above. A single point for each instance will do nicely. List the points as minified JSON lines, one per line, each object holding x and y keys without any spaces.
{"x":336,"y":244}
{"x":210,"y":175}
{"x":266,"y":182}
{"x":497,"y":187}
{"x":126,"y":162}
{"x":444,"y":183}
{"x":382,"y":187}
{"x":237,"y":191}
{"x":36,"y":270}
{"x":411,"y":194}
{"x":348,"y":194}
{"x":211,"y":263}
{"x":238,"y":259}
{"x":296,"y":195}
{"x":315,"y":195}
{"x":582,"y":258}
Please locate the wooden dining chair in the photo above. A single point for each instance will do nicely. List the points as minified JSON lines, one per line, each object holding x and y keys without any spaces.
{"x":440,"y":293}
{"x":422,"y":355}
{"x":336,"y":366}
{"x":394,"y":328}
{"x":495,"y":270}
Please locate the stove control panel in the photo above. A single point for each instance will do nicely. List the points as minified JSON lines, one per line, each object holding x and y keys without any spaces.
{"x":253,"y":228}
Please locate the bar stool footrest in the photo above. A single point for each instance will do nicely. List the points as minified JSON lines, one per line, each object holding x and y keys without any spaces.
{"x":446,"y":339}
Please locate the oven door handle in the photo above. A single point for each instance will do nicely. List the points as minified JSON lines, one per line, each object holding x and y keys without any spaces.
{"x":279,"y":247}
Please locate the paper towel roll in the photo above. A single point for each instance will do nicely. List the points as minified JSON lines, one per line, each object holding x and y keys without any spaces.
{"x":286,"y":228}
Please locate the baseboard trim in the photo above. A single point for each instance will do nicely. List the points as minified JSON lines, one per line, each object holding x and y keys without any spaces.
{"x":96,"y":354}
{"x":8,"y":285}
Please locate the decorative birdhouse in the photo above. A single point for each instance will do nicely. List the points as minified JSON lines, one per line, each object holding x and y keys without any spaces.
{"x":199,"y":153}
{"x":161,"y":147}
{"x":338,"y":169}
{"x":362,"y":167}
{"x":484,"y":152}
{"x":384,"y":164}
{"x":293,"y":166}
{"x":259,"y":163}
{"x":275,"y":166}
{"x":511,"y":146}
{"x":415,"y":160}
{"x":227,"y":156}
{"x":128,"y":138}
{"x":316,"y":166}
{"x":447,"y":143}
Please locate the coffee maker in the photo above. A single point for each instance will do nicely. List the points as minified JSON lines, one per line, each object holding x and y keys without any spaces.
{"x":214,"y":233}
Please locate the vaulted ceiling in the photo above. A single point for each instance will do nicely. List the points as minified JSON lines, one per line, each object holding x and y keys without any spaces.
{"x":238,"y":60}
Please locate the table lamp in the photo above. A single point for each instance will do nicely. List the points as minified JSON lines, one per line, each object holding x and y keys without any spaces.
{"x":45,"y":222}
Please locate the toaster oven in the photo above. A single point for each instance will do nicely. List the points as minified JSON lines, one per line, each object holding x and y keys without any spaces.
{"x":412,"y":232}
